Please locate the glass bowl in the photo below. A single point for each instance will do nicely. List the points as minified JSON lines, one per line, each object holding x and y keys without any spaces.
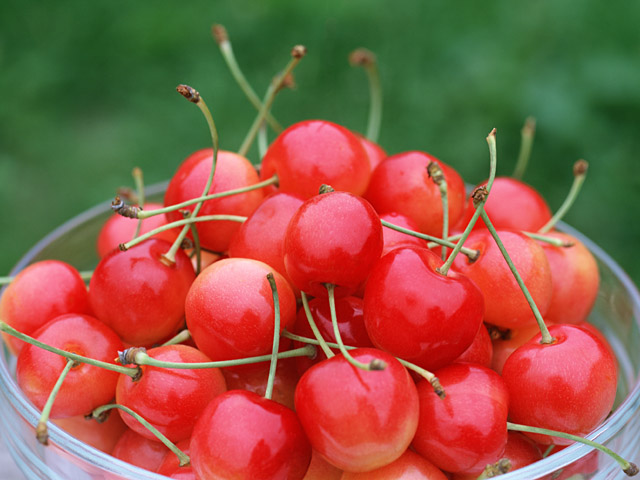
{"x":616,"y":313}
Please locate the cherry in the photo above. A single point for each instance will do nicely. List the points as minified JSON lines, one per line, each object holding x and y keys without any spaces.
{"x":299,"y":157}
{"x":85,"y":387}
{"x":230,"y":311}
{"x":418,"y":314}
{"x":232,"y":171}
{"x":505,"y":304}
{"x":358,"y":420}
{"x":320,"y":469}
{"x":241,"y":435}
{"x":139,"y":296}
{"x":102,"y":436}
{"x":401,"y":184}
{"x":170,"y":466}
{"x":39,"y":293}
{"x":334,"y":237}
{"x":545,"y":393}
{"x":187,"y":393}
{"x":140,"y":451}
{"x":410,"y":466}
{"x":467,"y":429}
{"x":375,"y":153}
{"x":480,"y":351}
{"x":504,"y":345}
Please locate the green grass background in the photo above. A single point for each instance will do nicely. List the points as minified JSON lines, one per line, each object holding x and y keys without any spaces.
{"x":87,"y":93}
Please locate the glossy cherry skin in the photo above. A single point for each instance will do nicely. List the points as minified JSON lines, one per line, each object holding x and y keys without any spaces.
{"x":262,"y":235}
{"x":401,"y":184}
{"x":102,"y":436}
{"x":349,"y":313}
{"x":39,"y":293}
{"x":85,"y":387}
{"x":375,"y":153}
{"x":170,"y":399}
{"x":505,"y":304}
{"x":418,"y":314}
{"x":333,"y":238}
{"x":313,"y":152}
{"x":511,"y":205}
{"x":466,"y":430}
{"x":503,"y":347}
{"x":232,"y":171}
{"x":137,"y":295}
{"x":358,"y":420}
{"x":410,"y":466}
{"x":241,"y":435}
{"x":137,"y":450}
{"x":480,"y":351}
{"x":118,"y":229}
{"x":568,"y":385}
{"x":230,"y":311}
{"x":575,"y":279}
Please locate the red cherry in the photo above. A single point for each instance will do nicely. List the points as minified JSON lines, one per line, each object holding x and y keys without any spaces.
{"x":313,"y":152}
{"x":358,"y":420}
{"x":118,"y":229}
{"x":480,"y":351}
{"x":568,"y":385}
{"x":137,"y":295}
{"x":401,"y":184}
{"x":102,"y":436}
{"x":466,"y":430}
{"x":505,"y":304}
{"x":170,"y":466}
{"x":85,"y":387}
{"x":504,"y":347}
{"x":410,"y":466}
{"x":189,"y":391}
{"x":320,"y":469}
{"x":230,"y":311}
{"x":140,"y":451}
{"x":39,"y":293}
{"x":375,"y":153}
{"x":418,"y":314}
{"x":241,"y":435}
{"x":335,"y":238}
{"x":232,"y":171}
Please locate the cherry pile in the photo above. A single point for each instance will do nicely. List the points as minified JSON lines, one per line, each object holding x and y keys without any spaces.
{"x":338,"y":313}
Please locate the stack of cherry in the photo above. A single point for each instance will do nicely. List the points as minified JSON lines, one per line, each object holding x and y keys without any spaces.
{"x":448,"y":364}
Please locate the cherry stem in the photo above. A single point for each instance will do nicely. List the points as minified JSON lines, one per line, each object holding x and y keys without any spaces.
{"x":85,"y":275}
{"x":196,"y":246}
{"x":194,"y":97}
{"x":546,"y":336}
{"x":183,"y":457}
{"x":42,"y":432}
{"x":430,"y":377}
{"x":178,"y":206}
{"x":138,"y":356}
{"x":186,"y":221}
{"x":367,"y":60}
{"x":276,"y":85}
{"x":222,"y":39}
{"x":131,"y":372}
{"x":579,"y":175}
{"x":527,"y":134}
{"x":276,"y":337}
{"x":501,"y":467}
{"x":628,"y":467}
{"x":139,"y":181}
{"x":472,"y":254}
{"x":314,"y":328}
{"x":375,"y":364}
{"x":548,"y":451}
{"x":556,"y":242}
{"x":479,"y":204}
{"x":437,"y":175}
{"x":182,"y":336}
{"x":263,"y":141}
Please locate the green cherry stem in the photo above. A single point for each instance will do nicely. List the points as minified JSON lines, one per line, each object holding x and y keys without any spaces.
{"x":184,"y":458}
{"x":276,"y":337}
{"x":297,"y":53}
{"x":479,"y":199}
{"x":469,"y":252}
{"x":437,"y":175}
{"x":196,"y":245}
{"x":527,"y":134}
{"x":314,"y":328}
{"x":263,"y":141}
{"x":556,"y":242}
{"x":139,"y":181}
{"x":131,"y":372}
{"x":193,"y":96}
{"x":375,"y":364}
{"x":42,"y":432}
{"x":367,"y":60}
{"x":579,"y":174}
{"x":629,"y":468}
{"x":138,"y":356}
{"x":546,"y":336}
{"x":222,"y":39}
{"x":178,"y":206}
{"x":548,"y":451}
{"x":182,"y":336}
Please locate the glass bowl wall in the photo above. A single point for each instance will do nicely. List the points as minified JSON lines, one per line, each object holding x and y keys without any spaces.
{"x":616,"y":313}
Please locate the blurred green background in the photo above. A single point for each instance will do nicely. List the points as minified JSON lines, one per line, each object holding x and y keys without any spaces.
{"x":87,"y":93}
